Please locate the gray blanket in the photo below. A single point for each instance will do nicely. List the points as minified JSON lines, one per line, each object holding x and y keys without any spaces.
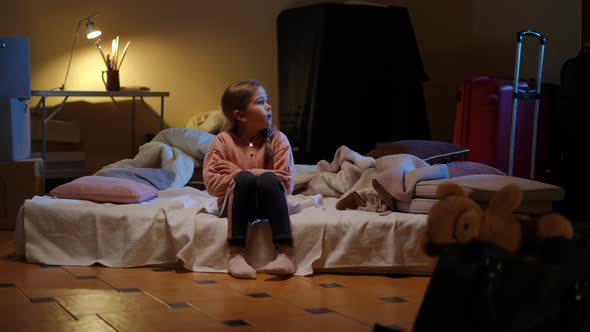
{"x":157,"y":177}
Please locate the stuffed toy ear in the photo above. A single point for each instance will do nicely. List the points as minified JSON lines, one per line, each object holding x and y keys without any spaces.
{"x":506,"y":200}
{"x":554,"y":225}
{"x":448,"y":189}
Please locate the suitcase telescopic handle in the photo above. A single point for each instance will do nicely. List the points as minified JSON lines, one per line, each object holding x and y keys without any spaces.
{"x":522,"y":33}
{"x":517,"y":94}
{"x":519,"y":38}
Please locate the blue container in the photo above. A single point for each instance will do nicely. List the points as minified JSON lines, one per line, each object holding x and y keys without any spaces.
{"x":15,"y":93}
{"x":15,"y":68}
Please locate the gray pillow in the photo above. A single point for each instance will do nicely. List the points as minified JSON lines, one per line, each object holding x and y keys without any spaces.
{"x":156,"y":177}
{"x":461,"y":168}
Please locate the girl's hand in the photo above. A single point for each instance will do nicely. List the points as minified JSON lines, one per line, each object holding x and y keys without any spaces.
{"x":225,"y":167}
{"x":282,"y":175}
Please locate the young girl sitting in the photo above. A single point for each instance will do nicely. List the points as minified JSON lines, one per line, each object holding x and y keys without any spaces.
{"x":250,"y":169}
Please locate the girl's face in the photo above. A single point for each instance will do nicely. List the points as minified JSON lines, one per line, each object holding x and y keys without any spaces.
{"x":258,"y":113}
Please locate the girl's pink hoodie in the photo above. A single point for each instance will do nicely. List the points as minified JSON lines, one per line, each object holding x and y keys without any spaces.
{"x":228,"y":147}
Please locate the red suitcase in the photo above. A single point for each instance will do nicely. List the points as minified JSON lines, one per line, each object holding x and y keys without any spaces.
{"x":499,"y":126}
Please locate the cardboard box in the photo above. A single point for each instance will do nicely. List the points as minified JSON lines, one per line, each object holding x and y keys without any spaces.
{"x":19,"y":180}
{"x":56,"y":130}
{"x":64,"y":164}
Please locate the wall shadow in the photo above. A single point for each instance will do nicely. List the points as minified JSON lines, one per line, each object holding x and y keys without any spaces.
{"x":105,"y":129}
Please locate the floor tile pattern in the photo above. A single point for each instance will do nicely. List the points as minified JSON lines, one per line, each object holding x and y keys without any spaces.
{"x":36,"y":297}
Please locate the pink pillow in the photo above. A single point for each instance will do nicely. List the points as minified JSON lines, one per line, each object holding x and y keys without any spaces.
{"x":105,"y":189}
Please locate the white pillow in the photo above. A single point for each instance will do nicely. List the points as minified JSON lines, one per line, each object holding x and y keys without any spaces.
{"x":212,"y":122}
{"x":193,"y":142}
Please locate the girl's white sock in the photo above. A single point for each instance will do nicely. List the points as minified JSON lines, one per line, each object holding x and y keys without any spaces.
{"x":237,"y":265}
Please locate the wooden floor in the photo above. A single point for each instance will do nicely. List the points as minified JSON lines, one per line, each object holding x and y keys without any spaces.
{"x":66,"y":298}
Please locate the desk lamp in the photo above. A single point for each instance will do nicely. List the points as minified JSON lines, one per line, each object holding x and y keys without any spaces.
{"x":91,"y":32}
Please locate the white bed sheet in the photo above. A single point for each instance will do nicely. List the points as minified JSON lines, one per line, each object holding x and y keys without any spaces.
{"x":78,"y":232}
{"x":170,"y":228}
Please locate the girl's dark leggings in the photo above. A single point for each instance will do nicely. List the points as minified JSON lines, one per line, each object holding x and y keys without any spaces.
{"x":259,"y":197}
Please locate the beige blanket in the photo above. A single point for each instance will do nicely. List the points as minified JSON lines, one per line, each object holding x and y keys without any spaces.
{"x":368,"y":184}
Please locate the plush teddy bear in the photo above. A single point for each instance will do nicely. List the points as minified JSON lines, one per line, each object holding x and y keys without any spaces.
{"x":457,"y":219}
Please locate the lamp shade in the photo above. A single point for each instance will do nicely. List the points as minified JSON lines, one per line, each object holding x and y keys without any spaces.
{"x":92,"y":30}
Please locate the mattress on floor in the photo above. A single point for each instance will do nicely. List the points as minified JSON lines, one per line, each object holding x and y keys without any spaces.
{"x":327,"y":239}
{"x":78,"y":232}
{"x":537,"y":197}
{"x":172,"y":227}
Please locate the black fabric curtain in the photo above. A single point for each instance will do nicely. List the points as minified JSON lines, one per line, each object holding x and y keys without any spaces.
{"x":572,"y":120}
{"x":348,"y":75}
